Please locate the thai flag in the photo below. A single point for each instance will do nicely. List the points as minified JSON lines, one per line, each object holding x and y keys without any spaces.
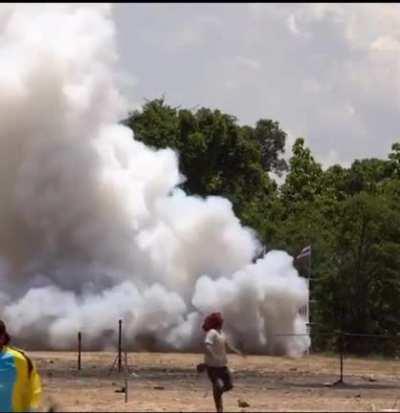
{"x":305,"y":252}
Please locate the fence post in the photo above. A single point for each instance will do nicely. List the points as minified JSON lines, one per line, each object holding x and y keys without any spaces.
{"x":341,"y":356}
{"x":79,"y":349}
{"x":126,"y":373}
{"x":119,"y":345}
{"x":341,"y":353}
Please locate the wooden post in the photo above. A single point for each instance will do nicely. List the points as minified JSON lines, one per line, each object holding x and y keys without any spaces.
{"x":126,"y":373}
{"x":340,"y":343}
{"x":79,"y":349}
{"x":341,"y":357}
{"x":119,"y":345}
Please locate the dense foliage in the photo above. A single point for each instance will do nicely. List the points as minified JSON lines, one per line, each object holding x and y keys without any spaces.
{"x":350,"y":216}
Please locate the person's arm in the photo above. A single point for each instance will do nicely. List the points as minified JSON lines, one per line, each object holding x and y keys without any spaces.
{"x":35,"y":391}
{"x":233,"y":348}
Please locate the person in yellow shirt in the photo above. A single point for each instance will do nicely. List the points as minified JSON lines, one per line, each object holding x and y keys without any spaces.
{"x":20,"y":384}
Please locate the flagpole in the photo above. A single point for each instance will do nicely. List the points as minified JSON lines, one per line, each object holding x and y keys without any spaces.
{"x":309,"y":300}
{"x":306,"y":252}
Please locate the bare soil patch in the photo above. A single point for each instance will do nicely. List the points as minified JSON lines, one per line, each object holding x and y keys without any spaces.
{"x":169,"y":382}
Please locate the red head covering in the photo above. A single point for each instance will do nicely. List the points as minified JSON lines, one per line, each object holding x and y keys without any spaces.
{"x":214,"y":320}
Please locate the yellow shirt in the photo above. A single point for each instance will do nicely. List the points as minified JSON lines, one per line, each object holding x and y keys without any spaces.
{"x":20,"y":386}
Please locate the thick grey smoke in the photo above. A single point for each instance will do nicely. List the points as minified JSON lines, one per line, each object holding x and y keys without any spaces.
{"x":93,"y":226}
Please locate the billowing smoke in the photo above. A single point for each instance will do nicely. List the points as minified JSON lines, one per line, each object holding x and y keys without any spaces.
{"x":93,"y":225}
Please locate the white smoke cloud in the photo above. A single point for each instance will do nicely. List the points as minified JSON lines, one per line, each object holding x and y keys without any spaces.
{"x":94,"y":228}
{"x":260,"y":303}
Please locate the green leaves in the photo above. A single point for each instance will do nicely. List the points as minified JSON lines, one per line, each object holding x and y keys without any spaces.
{"x":272,"y":142}
{"x":351,"y":217}
{"x":157,"y":125}
{"x":303,"y":183}
{"x":394,"y":160}
{"x":217,"y":156}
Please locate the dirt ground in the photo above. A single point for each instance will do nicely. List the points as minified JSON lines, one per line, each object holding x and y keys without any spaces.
{"x":169,"y":382}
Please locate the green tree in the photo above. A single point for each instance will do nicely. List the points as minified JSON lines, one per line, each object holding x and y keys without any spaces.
{"x":360,"y":289}
{"x":272,"y":140}
{"x":156,"y":125}
{"x":303,"y":182}
{"x":217,"y":156}
{"x":367,"y":175}
{"x":394,"y":160}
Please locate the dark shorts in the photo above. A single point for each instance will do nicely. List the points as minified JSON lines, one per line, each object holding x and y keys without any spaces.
{"x":218,"y":374}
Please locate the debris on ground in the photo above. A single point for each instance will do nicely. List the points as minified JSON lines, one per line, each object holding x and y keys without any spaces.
{"x":159,"y":388}
{"x":370,"y":378}
{"x":52,"y":405}
{"x":243,"y":403}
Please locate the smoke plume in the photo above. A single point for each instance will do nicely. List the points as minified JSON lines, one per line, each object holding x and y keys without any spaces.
{"x":93,"y":225}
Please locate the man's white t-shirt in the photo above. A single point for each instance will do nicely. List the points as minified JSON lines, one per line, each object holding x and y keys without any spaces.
{"x":217,"y":341}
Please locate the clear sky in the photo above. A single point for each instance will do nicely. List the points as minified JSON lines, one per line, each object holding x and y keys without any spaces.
{"x":327,"y":72}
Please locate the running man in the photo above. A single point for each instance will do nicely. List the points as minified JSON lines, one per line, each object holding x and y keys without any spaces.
{"x":215,"y":359}
{"x":20,"y":387}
